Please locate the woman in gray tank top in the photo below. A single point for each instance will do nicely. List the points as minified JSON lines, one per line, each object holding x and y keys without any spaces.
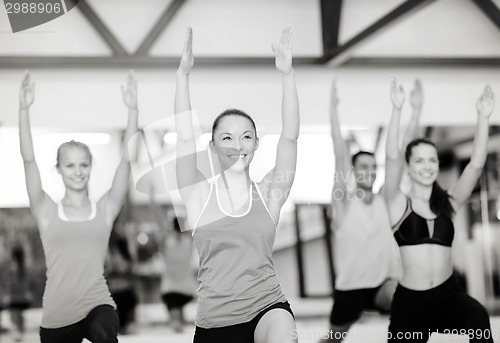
{"x":234,"y":219}
{"x":75,"y":232}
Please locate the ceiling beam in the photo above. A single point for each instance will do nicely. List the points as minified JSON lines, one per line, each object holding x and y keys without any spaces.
{"x":161,"y":24}
{"x":102,"y":29}
{"x":137,"y":62}
{"x":330,"y":23}
{"x":423,"y":62}
{"x":398,"y":13}
{"x":490,"y":10}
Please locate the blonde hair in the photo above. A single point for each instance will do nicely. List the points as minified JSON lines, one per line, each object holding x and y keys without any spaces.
{"x":73,"y":144}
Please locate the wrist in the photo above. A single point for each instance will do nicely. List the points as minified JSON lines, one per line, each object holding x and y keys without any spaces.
{"x":182,"y":73}
{"x":483,"y":115}
{"x":289,"y":75}
{"x":24,"y":108}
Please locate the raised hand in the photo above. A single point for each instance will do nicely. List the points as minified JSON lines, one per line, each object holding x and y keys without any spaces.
{"x":26,"y":92}
{"x":417,"y":95}
{"x":283,"y":51}
{"x":397,"y":94}
{"x":187,"y":59}
{"x":334,"y":99}
{"x":486,"y":102}
{"x":129,"y":94}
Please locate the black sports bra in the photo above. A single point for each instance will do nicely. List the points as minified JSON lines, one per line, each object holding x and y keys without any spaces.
{"x":412,"y":229}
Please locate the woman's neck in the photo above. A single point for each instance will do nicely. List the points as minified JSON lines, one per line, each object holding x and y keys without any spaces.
{"x":421,"y":192}
{"x":76,"y":198}
{"x":236,"y":180}
{"x":237,"y":176}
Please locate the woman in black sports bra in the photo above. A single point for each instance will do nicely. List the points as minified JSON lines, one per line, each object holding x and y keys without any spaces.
{"x":428,"y":298}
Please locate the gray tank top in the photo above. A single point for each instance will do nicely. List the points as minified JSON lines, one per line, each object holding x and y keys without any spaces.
{"x":237,"y":278}
{"x":74,"y":255}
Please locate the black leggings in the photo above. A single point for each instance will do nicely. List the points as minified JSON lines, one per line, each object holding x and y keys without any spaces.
{"x":238,"y":333}
{"x":447,"y":308}
{"x":100,"y":326}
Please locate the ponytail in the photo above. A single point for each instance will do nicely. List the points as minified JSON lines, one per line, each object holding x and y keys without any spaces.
{"x":440,"y":202}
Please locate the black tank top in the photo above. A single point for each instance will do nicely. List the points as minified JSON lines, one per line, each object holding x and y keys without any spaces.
{"x":413,"y":229}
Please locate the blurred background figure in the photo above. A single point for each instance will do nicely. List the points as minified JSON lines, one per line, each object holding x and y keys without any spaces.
{"x":20,"y":296}
{"x":121,"y":280}
{"x":3,"y":280}
{"x":178,"y":283}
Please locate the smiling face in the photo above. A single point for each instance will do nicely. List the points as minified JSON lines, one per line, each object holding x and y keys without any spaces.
{"x":423,"y":164}
{"x":74,"y":164}
{"x":234,"y":141}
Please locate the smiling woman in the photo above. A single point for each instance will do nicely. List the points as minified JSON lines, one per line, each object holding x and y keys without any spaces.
{"x":75,"y":232}
{"x":234,"y":218}
{"x":429,"y":298}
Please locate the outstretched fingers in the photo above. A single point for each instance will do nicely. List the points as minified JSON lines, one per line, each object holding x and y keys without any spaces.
{"x":129,"y":92}
{"x":187,"y":59}
{"x":397,"y":93}
{"x":286,"y":39}
{"x":188,"y":41}
{"x":283,"y":51}
{"x":26,"y":91}
{"x":488,"y":92}
{"x":333,"y":92}
{"x":486,"y":102}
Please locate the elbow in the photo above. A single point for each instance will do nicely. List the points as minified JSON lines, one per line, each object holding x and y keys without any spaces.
{"x":27,"y":158}
{"x":291,"y":136}
{"x":477,"y":164}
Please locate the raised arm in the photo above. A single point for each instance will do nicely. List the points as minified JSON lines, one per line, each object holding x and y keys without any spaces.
{"x":462,"y":190}
{"x":279,"y":180}
{"x":394,"y":158}
{"x":114,"y":198}
{"x":416,"y":101}
{"x":342,"y":158}
{"x":39,"y":200}
{"x":188,"y":175}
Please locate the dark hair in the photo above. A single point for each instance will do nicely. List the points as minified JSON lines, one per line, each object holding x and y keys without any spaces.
{"x":360,"y":153}
{"x":232,"y":112}
{"x":440,"y":199}
{"x":177,"y":226}
{"x":73,"y":144}
{"x":415,"y":142}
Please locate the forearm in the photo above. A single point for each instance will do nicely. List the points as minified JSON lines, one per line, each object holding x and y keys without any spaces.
{"x":131,"y":129}
{"x":339,"y":145}
{"x":480,"y":145}
{"x":290,"y":107}
{"x":412,"y":131}
{"x":182,"y":108}
{"x":392,"y":144}
{"x":25,"y":138}
{"x":182,"y":100}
